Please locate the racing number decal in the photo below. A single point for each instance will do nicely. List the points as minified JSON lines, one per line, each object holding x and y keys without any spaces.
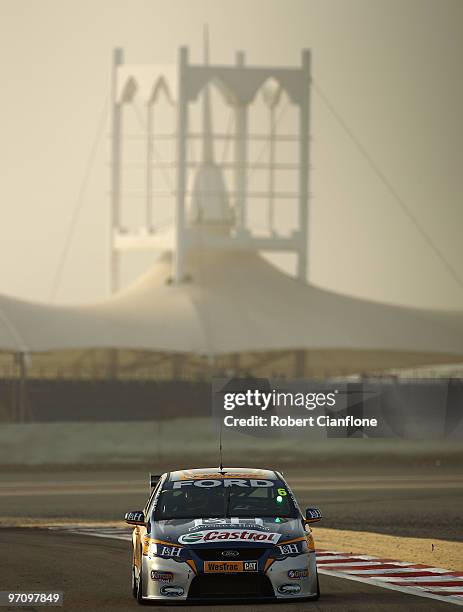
{"x":282,"y":492}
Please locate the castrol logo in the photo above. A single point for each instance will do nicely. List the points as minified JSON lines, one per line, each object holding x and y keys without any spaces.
{"x":242,"y":535}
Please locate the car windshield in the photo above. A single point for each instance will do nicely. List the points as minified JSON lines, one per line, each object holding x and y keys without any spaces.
{"x":200,"y":499}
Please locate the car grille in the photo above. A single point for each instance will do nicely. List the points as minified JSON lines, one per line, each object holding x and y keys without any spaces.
{"x":215,"y":554}
{"x":233,"y":586}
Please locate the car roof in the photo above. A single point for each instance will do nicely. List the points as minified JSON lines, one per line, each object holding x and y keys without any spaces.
{"x":216,"y":474}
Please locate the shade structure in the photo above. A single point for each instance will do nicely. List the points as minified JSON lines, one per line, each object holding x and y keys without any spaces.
{"x":236,"y":302}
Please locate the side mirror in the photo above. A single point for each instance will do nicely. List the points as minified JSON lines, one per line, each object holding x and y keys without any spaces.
{"x":313,"y":515}
{"x":136,"y":517}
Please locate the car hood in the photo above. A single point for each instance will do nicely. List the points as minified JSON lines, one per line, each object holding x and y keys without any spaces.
{"x":226,"y":532}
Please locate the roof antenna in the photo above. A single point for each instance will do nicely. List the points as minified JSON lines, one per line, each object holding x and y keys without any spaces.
{"x":220,"y":450}
{"x":221,"y":470}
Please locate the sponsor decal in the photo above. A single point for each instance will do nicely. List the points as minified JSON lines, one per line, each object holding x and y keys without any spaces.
{"x":170,"y":551}
{"x":151,"y":547}
{"x":229,"y":567}
{"x":289,"y":589}
{"x":250,"y":566}
{"x":298,"y":574}
{"x":172,"y":591}
{"x":210,"y":483}
{"x":199,"y":476}
{"x":242,"y":535}
{"x":314,"y":513}
{"x":135,"y":516}
{"x":289,"y":549}
{"x":161,"y":576}
{"x":252,"y":523}
{"x":158,"y":492}
{"x":190,"y":538}
{"x":230,"y":553}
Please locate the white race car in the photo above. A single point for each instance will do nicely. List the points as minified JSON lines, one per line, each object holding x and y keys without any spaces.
{"x":223,"y":534}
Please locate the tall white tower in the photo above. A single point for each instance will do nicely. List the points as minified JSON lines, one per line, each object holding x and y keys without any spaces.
{"x":211,"y":214}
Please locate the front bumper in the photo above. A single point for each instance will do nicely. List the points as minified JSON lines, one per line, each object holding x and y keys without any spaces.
{"x":292,"y":578}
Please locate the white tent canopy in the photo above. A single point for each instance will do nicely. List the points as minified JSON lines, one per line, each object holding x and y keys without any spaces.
{"x":212,"y":293}
{"x":234,"y":302}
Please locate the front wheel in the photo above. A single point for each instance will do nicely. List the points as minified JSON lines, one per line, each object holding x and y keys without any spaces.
{"x":134,"y":583}
{"x":317,"y":596}
{"x":140,"y":598}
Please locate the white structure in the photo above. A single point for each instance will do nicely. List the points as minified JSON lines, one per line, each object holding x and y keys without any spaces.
{"x":218,"y":214}
{"x":237,"y":302}
{"x":211,"y":294}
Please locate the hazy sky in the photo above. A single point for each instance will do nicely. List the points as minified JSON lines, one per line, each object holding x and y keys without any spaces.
{"x":392,"y":68}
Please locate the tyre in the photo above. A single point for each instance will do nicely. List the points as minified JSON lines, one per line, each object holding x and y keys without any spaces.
{"x":140,"y":598}
{"x":134,"y":583}
{"x":317,"y":596}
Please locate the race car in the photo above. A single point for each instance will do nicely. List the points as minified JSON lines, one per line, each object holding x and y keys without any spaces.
{"x":222,"y":534}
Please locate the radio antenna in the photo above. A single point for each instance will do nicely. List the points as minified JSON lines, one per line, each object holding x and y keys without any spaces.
{"x":218,"y":412}
{"x":220,"y":448}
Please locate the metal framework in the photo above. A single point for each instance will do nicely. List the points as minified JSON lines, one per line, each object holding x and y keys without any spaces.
{"x":183,"y":85}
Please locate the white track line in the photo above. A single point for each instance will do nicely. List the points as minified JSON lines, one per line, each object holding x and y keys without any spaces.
{"x":395,"y":570}
{"x":398,"y":565}
{"x":437,"y":579}
{"x":349,"y":571}
{"x":455,"y":599}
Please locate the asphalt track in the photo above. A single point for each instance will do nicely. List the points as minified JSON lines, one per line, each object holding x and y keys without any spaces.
{"x":93,"y":573}
{"x":423,"y":503}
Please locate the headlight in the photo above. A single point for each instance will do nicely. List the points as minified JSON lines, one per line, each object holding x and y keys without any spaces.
{"x":155,"y":549}
{"x":149,"y":547}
